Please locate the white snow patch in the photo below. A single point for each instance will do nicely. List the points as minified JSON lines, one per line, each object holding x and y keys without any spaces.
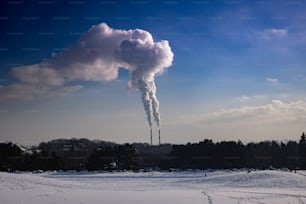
{"x":194,"y":187}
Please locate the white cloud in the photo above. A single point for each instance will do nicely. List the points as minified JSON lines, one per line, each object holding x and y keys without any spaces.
{"x":97,"y":56}
{"x":275,"y":112}
{"x":278,"y":32}
{"x":272,"y":80}
{"x":20,"y":90}
{"x":29,"y":91}
{"x":244,"y":98}
{"x":38,"y":74}
{"x":67,"y":90}
{"x":252,"y":98}
{"x":273,"y":33}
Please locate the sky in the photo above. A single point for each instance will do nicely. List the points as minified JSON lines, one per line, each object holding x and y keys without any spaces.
{"x":237,"y":71}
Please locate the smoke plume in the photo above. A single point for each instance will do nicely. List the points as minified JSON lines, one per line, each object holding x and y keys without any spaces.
{"x":97,"y":56}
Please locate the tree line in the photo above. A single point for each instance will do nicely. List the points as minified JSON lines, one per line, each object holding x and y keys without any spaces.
{"x":84,"y":154}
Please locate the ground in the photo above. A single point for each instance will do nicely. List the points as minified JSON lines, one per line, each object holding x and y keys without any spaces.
{"x":239,"y":186}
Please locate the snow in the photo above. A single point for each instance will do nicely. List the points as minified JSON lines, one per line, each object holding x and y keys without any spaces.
{"x":266,"y":186}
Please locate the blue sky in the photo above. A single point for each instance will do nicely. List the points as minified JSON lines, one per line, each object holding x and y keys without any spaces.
{"x":238,"y":71}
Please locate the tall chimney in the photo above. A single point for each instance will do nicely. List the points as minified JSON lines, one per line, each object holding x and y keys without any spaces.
{"x":151,"y":136}
{"x":159,"y":136}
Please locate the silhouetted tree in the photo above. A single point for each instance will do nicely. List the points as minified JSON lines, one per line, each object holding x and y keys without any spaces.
{"x":302,"y":152}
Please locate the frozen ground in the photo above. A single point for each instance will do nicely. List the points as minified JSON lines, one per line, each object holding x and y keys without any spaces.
{"x":189,"y":187}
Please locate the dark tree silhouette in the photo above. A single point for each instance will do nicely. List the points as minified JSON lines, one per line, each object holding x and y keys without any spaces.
{"x":82,"y":154}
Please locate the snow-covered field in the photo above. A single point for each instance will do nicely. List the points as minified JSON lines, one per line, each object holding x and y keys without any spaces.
{"x":191,"y":187}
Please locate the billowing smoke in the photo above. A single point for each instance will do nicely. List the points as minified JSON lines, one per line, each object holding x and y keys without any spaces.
{"x":150,"y":102}
{"x":97,"y":56}
{"x":145,"y":58}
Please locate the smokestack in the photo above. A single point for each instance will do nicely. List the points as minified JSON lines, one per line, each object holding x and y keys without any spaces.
{"x":159,"y":136}
{"x":151,"y":136}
